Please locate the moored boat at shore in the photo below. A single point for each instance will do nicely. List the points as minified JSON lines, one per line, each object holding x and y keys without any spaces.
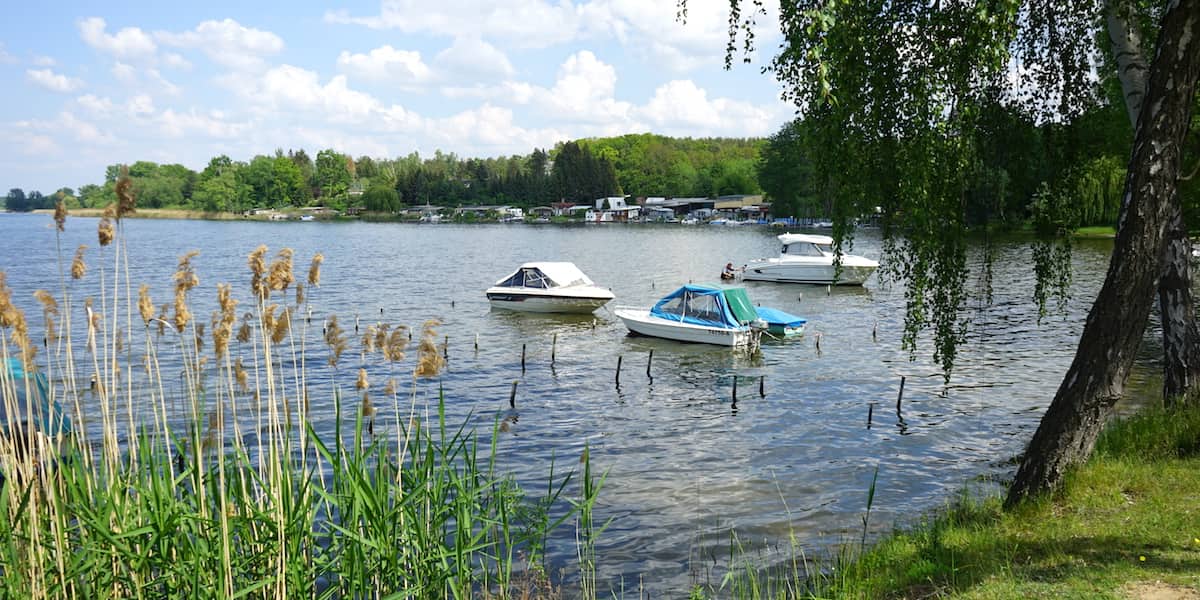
{"x":807,"y":258}
{"x":701,"y":314}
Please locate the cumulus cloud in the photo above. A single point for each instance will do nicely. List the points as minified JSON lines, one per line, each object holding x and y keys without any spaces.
{"x":680,"y":107}
{"x":385,"y":64}
{"x":527,"y":23}
{"x":95,"y":104}
{"x":227,"y":42}
{"x":49,"y":80}
{"x":42,"y":61}
{"x":652,"y":30}
{"x":474,"y":59}
{"x":129,"y":43}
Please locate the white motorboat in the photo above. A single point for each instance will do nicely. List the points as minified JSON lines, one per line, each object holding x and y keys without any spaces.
{"x":809,"y":258}
{"x":548,"y":287}
{"x":698,"y":313}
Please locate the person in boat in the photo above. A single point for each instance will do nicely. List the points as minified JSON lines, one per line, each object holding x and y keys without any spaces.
{"x":729,"y":273}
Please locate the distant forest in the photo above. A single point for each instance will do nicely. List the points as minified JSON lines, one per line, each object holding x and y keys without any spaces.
{"x":576,"y":171}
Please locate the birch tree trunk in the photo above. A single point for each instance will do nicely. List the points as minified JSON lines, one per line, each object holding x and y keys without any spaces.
{"x":1114,"y":328}
{"x":1181,"y":336}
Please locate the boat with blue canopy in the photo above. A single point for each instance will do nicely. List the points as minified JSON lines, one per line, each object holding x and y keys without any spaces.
{"x":30,"y":421}
{"x":699,"y":313}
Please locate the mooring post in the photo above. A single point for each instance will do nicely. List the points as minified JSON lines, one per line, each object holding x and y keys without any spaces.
{"x":874,"y":332}
{"x":553,"y":348}
{"x":522,"y":358}
{"x":900,"y":396}
{"x":870,"y":413}
{"x":512,"y":396}
{"x":735,"y":389}
{"x":446,"y":347}
{"x":619,"y":370}
{"x":649,"y":360}
{"x":818,"y":342}
{"x":762,"y":389}
{"x":477,"y":341}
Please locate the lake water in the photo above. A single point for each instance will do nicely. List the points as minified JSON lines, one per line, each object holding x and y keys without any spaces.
{"x":686,"y":466}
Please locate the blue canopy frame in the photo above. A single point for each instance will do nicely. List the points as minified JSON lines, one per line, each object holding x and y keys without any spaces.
{"x":698,"y":305}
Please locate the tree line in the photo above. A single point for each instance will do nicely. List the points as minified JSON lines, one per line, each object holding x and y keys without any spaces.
{"x":575,"y":171}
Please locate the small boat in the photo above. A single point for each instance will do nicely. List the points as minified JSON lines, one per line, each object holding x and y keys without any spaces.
{"x":779,"y":323}
{"x":548,"y":287}
{"x":699,"y":313}
{"x":809,"y":258}
{"x":28,"y":413}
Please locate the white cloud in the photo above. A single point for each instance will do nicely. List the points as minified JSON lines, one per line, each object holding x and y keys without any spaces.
{"x":212,"y":125}
{"x":95,"y":105}
{"x":473,"y":59}
{"x":176,"y":61}
{"x":651,"y":30}
{"x":490,"y":130}
{"x":385,"y":64}
{"x":43,"y":61}
{"x":681,"y":107}
{"x":128,"y":43}
{"x":227,"y":42}
{"x":47,"y":79}
{"x":291,"y":88}
{"x":123,"y":72}
{"x":140,"y":105}
{"x":527,"y":23}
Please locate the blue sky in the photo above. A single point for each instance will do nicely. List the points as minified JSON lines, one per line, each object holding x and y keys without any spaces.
{"x":85,"y":85}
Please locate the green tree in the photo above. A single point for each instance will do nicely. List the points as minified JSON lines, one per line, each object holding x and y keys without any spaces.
{"x":381,"y":198}
{"x":15,"y":201}
{"x":332,"y":174}
{"x":915,"y":75}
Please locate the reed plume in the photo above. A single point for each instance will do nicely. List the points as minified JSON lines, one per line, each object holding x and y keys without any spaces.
{"x":361,"y":384}
{"x":429,"y":361}
{"x":105,"y":231}
{"x":185,"y":279}
{"x":163,"y":313}
{"x":145,"y":305}
{"x":258,"y":268}
{"x":224,"y":319}
{"x":335,"y":340}
{"x":240,"y":375}
{"x":314,"y":270}
{"x":397,"y":342}
{"x":49,"y":304}
{"x":13,"y":318}
{"x":368,"y":339}
{"x":282,"y":326}
{"x":299,"y":293}
{"x":244,"y":331}
{"x":78,"y":267}
{"x":60,"y":214}
{"x":126,"y":203}
{"x":280,"y":275}
{"x":390,"y":388}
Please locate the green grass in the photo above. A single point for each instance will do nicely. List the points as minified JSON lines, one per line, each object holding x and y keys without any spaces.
{"x":1096,"y":231}
{"x":1129,"y":518}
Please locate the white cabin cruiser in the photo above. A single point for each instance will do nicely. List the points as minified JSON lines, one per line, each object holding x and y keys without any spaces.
{"x":548,"y":287}
{"x":807,"y":258}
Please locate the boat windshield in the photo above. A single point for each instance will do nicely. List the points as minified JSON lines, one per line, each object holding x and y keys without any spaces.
{"x":528,"y":278}
{"x":802,"y":249}
{"x":703,"y":307}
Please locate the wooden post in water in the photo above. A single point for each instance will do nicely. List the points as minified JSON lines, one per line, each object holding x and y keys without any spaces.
{"x":818,"y":342}
{"x":649,"y":360}
{"x":477,"y":341}
{"x":735,"y":389}
{"x":619,"y":369}
{"x":762,"y":389}
{"x":900,"y":396}
{"x":874,"y":331}
{"x":522,"y":358}
{"x":553,"y":348}
{"x":446,"y":347}
{"x":512,"y":396}
{"x":870,"y":413}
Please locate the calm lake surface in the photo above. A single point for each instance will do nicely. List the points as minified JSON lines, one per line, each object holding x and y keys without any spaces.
{"x":686,"y":466}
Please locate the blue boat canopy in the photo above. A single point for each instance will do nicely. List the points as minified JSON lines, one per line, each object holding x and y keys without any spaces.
{"x":779,"y":318}
{"x":47,"y":416}
{"x":707,"y":306}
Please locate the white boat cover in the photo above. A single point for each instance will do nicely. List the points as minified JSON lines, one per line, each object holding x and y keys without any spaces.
{"x":559,"y":274}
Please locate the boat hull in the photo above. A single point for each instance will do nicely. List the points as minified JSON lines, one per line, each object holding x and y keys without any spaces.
{"x":545,"y":303}
{"x":791,"y":271}
{"x":639,"y":321}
